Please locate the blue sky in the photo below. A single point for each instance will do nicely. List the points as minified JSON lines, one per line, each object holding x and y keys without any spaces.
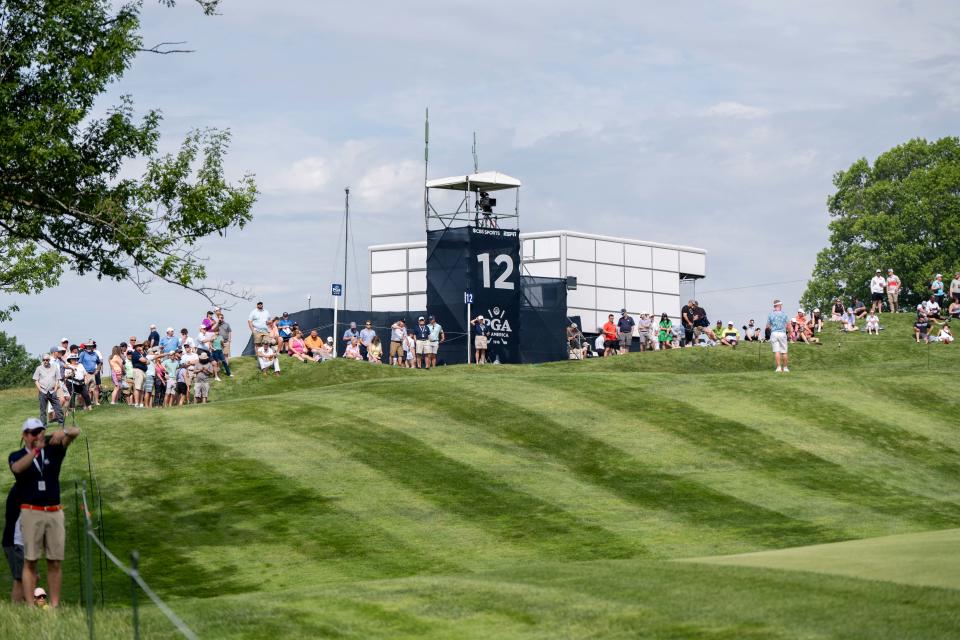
{"x":717,"y":125}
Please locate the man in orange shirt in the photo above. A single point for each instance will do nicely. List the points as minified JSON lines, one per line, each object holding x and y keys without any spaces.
{"x":611,"y":344}
{"x":313,"y":344}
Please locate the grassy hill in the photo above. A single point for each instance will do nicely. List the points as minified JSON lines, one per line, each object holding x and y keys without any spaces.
{"x":350,"y":501}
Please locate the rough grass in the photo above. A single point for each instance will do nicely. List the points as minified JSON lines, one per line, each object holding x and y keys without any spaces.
{"x":347,"y":500}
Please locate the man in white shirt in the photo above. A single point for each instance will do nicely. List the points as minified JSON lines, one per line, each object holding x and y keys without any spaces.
{"x":267,"y":357}
{"x":877,"y":284}
{"x":257,"y":323}
{"x":893,"y":291}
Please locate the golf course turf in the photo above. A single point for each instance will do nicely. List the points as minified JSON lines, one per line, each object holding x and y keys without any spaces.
{"x":687,"y":494}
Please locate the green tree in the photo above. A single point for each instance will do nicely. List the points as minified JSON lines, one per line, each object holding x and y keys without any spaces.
{"x":67,"y":200}
{"x":16,"y":365}
{"x":902,"y":212}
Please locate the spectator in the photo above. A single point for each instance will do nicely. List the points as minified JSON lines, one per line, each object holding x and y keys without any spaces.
{"x":410,"y":350}
{"x":90,"y":362}
{"x":837,"y":311}
{"x":817,"y":321}
{"x":47,"y":379}
{"x":686,"y":319}
{"x":226,"y":334}
{"x":481,"y":333}
{"x":666,"y":331}
{"x":599,"y":341}
{"x":186,"y":340}
{"x":367,"y":334}
{"x":128,"y":374}
{"x":730,"y":336}
{"x":313,"y":343}
{"x":218,"y":358}
{"x":936,"y":288}
{"x":859,"y":309}
{"x":153,"y":338}
{"x":37,"y":469}
{"x":873,"y":323}
{"x":955,"y":287}
{"x":931,"y":307}
{"x":257,"y":323}
{"x":678,"y":336}
{"x":75,"y":384}
{"x":296,"y":347}
{"x":436,"y":339}
{"x":150,"y":376}
{"x":850,"y":321}
{"x":643,"y":331}
{"x":611,"y":341}
{"x":171,"y":364}
{"x":327,"y":351}
{"x":954,"y":310}
{"x":139,"y":360}
{"x":877,"y":285}
{"x":352,"y":352}
{"x":422,"y":343}
{"x":375,"y":350}
{"x":777,"y":323}
{"x":116,"y":374}
{"x":267,"y":357}
{"x":625,"y":326}
{"x":893,"y":291}
{"x":209,"y":322}
{"x":169,"y":342}
{"x":921,"y":328}
{"x":751,"y":332}
{"x":201,"y":382}
{"x":189,"y":361}
{"x":13,"y":543}
{"x":398,"y":332}
{"x":350,"y":334}
{"x":718,"y":330}
{"x":576,"y":344}
{"x":945,"y":335}
{"x":700,"y":320}
{"x":183,"y":379}
{"x":285,"y":332}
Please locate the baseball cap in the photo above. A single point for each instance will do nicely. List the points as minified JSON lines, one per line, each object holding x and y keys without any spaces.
{"x":169,"y":329}
{"x":62,"y":340}
{"x":573,"y":324}
{"x":259,"y":301}
{"x":73,"y":356}
{"x":776,"y":302}
{"x":729,"y":321}
{"x":623,"y":310}
{"x":285,"y":314}
{"x":83,"y":345}
{"x":153,"y":326}
{"x":39,"y":592}
{"x":431,"y":318}
{"x":329,"y":338}
{"x":420,"y":318}
{"x":879,"y":271}
{"x":32,"y":423}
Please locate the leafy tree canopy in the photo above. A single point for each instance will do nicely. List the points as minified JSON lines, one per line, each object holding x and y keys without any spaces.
{"x":902,"y":212}
{"x":65,"y":200}
{"x":16,"y":365}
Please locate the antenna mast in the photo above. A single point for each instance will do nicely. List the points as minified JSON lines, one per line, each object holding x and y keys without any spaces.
{"x":346,"y":238}
{"x":426,"y":164}
{"x":476,"y":160}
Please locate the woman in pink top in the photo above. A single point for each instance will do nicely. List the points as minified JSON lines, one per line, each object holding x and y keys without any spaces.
{"x":297,"y":348}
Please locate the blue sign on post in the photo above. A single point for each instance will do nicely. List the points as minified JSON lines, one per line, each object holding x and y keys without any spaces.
{"x":336,"y":289}
{"x":467,"y":297}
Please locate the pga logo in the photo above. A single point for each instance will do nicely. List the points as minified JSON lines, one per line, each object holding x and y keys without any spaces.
{"x":498,"y":321}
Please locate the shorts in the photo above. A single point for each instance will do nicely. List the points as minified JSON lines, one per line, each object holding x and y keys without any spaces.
{"x":625,"y":340}
{"x":480,"y":342}
{"x":182,"y":388}
{"x":201,"y":390}
{"x":433,"y":347}
{"x":15,"y":561}
{"x":259,"y":337}
{"x":138,"y":378}
{"x":396,"y":349}
{"x":43,"y":531}
{"x":893,"y":295}
{"x":226,"y":348}
{"x":115,"y":377}
{"x":148,"y":384}
{"x":172,"y":387}
{"x":423,"y":347}
{"x":778,"y":341}
{"x":877,"y":296}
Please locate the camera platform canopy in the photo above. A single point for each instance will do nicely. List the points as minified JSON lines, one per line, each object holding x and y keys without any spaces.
{"x":474,"y":207}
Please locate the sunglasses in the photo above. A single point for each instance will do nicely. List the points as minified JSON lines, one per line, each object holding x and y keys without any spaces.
{"x":37,"y":431}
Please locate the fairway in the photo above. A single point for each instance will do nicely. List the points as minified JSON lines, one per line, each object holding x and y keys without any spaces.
{"x":352,"y":501}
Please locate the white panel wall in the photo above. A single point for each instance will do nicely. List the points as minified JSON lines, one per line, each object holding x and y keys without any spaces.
{"x":580,"y":249}
{"x":694,"y":264}
{"x":418,"y":258}
{"x":609,"y":300}
{"x":526,"y":250}
{"x":546,"y":248}
{"x":639,"y":302}
{"x":666,"y":282}
{"x":586,"y":318}
{"x":583,"y":296}
{"x":417,"y":302}
{"x":393,"y":260}
{"x":391,"y":282}
{"x":637,"y":256}
{"x":549,"y":269}
{"x":638,"y":279}
{"x":389,"y":303}
{"x":665,"y":259}
{"x":585,"y":272}
{"x":666,"y":303}
{"x":609,"y":275}
{"x":609,"y":252}
{"x":417,"y":281}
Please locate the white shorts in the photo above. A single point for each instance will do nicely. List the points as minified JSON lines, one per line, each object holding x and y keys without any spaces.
{"x":433,"y":347}
{"x":778,"y":340}
{"x":480,"y":342}
{"x":423,"y":347}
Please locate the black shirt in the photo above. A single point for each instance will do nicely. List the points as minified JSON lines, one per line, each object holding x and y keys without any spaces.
{"x":12,"y":513}
{"x":686,"y":312}
{"x":135,"y":359}
{"x":28,"y":481}
{"x":153,"y":339}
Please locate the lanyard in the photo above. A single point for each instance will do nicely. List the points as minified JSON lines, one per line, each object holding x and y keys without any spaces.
{"x":39,"y":465}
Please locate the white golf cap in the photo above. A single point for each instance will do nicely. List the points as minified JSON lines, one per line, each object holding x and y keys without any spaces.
{"x":153,"y":326}
{"x":729,"y":321}
{"x":32,"y":423}
{"x":39,"y":592}
{"x":169,"y":329}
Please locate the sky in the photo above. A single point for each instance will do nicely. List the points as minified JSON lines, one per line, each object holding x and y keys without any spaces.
{"x":710,"y":124}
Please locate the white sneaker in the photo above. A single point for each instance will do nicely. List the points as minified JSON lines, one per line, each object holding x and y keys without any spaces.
{"x":786,"y":370}
{"x":779,"y":370}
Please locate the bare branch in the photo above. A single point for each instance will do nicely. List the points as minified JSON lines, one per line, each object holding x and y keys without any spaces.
{"x":158,"y":48}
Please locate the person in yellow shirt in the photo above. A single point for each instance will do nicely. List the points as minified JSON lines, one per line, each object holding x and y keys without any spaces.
{"x":730,"y":336}
{"x":313,"y":344}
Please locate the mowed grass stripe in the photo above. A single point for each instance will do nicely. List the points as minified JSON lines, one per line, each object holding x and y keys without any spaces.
{"x":756,"y":450}
{"x":597,"y":462}
{"x":515,"y":516}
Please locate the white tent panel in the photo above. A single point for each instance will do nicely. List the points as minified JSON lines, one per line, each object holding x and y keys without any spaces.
{"x":483,"y":181}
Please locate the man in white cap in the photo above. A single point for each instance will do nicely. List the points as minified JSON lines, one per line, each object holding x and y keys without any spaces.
{"x":47,"y":379}
{"x":730,"y":336}
{"x":877,"y":284}
{"x":777,"y":323}
{"x":36,"y":468}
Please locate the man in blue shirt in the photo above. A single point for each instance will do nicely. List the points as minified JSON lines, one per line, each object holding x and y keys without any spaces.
{"x":367,"y":334}
{"x":90,"y":362}
{"x":625,"y":331}
{"x":436,"y":337}
{"x":285,"y":328}
{"x":777,"y":324}
{"x":169,"y":343}
{"x":422,"y":333}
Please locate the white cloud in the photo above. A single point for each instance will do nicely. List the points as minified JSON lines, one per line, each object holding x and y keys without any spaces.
{"x":729,"y":109}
